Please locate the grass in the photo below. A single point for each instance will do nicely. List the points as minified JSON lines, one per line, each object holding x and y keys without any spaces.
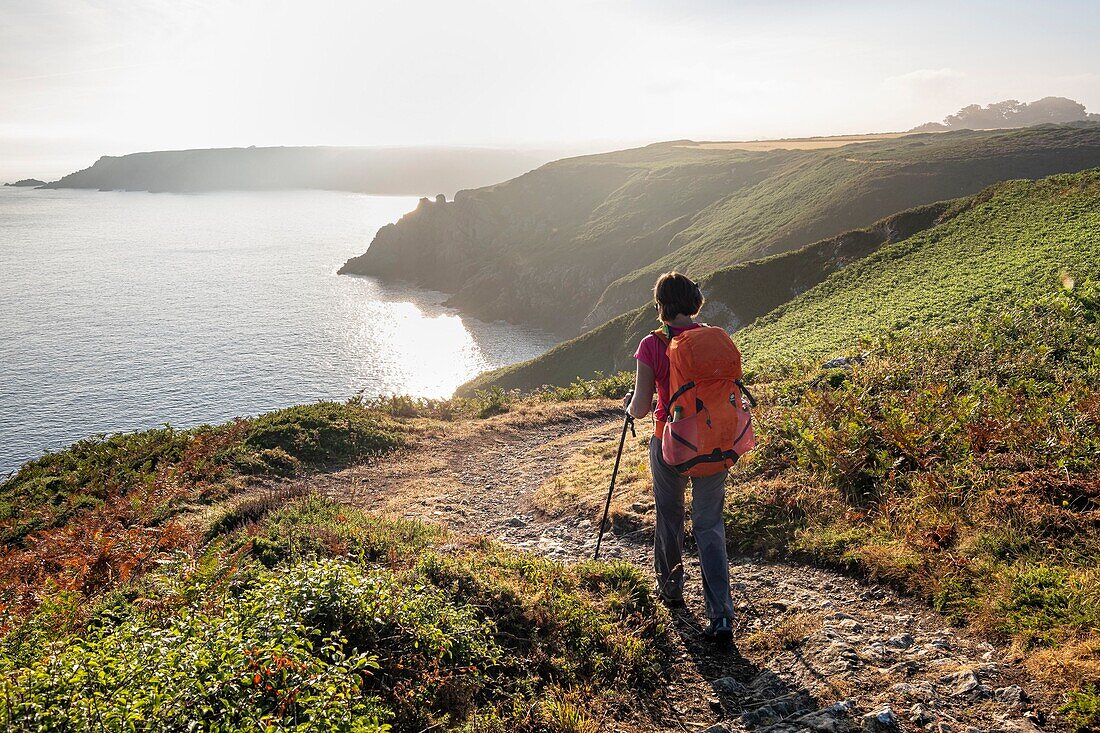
{"x":958,"y":464}
{"x":821,"y":194}
{"x":1083,"y":708}
{"x":320,"y":615}
{"x":512,"y":250}
{"x":121,"y":608}
{"x":1014,"y":240}
{"x":105,"y":511}
{"x":935,"y":265}
{"x":788,"y":633}
{"x":736,"y":297}
{"x":580,"y":487}
{"x":797,"y":143}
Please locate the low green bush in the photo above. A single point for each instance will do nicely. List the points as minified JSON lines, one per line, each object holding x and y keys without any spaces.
{"x":1083,"y":709}
{"x":318,"y":616}
{"x":958,"y":464}
{"x":613,"y":386}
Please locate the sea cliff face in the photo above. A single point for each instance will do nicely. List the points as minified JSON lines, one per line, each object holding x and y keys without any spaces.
{"x":736,"y":296}
{"x":473,"y":247}
{"x":541,"y":248}
{"x":578,"y":242}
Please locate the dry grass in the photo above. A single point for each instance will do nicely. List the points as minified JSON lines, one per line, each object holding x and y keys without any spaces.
{"x":798,"y":143}
{"x":1066,"y":665}
{"x":580,"y":487}
{"x":789,"y":633}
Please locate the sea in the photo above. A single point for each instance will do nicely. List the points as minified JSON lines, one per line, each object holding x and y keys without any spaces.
{"x":123,"y":311}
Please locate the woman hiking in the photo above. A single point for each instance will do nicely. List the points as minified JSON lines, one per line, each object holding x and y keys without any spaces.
{"x":678,"y":300}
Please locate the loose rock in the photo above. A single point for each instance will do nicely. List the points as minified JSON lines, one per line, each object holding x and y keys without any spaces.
{"x":728,"y":685}
{"x":880,"y":721}
{"x":1013,"y":694}
{"x":901,"y":641}
{"x":962,"y":683}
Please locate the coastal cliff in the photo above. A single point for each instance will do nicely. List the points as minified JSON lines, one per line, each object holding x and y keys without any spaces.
{"x":541,"y":248}
{"x":578,"y":242}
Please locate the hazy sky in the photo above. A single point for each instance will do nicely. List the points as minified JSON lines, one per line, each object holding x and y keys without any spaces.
{"x":81,"y":78}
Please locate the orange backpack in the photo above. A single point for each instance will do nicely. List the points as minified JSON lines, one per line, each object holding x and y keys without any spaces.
{"x":709,"y":424}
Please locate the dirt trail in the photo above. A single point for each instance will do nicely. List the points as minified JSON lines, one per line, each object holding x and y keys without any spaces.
{"x":814,"y":650}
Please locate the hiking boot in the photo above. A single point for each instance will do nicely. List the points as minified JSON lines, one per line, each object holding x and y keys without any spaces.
{"x":720,"y":630}
{"x":671,"y":601}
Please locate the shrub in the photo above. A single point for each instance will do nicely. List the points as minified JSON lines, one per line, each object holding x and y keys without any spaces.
{"x":378,"y":629}
{"x":100,"y":513}
{"x":614,"y":386}
{"x":255,"y":662}
{"x":321,"y":432}
{"x":1083,"y":709}
{"x":959,"y":464}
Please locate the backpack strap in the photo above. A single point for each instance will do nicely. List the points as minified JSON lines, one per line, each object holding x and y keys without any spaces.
{"x":664,"y":333}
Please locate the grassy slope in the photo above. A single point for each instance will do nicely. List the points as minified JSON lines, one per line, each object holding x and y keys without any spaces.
{"x":507,"y":251}
{"x":959,"y":464}
{"x":309,"y":613}
{"x":1014,"y":239}
{"x":736,"y":296}
{"x":600,"y":227}
{"x":831,"y":191}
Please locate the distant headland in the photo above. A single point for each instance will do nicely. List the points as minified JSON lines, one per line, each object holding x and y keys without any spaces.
{"x":381,"y":171}
{"x":27,"y":183}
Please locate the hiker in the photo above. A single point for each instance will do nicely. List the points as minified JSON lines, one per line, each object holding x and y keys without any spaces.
{"x":678,"y":300}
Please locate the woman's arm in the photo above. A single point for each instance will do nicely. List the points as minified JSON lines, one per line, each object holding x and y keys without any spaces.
{"x":644,"y":385}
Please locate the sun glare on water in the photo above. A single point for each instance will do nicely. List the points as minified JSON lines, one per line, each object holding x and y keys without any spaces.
{"x":434,"y":352}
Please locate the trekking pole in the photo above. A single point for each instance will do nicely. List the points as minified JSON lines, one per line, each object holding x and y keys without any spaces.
{"x":628,"y":422}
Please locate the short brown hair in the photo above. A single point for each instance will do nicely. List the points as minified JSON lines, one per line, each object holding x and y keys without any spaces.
{"x":675,"y":294}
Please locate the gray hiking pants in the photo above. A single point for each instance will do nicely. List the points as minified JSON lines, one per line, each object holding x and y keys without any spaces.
{"x":708,"y":495}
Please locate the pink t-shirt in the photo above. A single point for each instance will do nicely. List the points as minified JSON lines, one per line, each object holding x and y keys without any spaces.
{"x":653,"y":353}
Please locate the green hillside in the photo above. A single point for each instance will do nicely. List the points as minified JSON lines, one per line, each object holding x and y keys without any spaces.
{"x":850,"y":187}
{"x":578,"y":242}
{"x":938,"y":264}
{"x":510,"y":251}
{"x":958,"y":463}
{"x":735,"y":296}
{"x":1016,"y":238}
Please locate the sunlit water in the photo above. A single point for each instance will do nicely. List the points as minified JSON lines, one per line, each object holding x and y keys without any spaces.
{"x":121,"y":311}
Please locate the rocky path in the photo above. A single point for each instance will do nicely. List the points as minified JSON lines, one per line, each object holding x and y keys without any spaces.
{"x":814,"y":650}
